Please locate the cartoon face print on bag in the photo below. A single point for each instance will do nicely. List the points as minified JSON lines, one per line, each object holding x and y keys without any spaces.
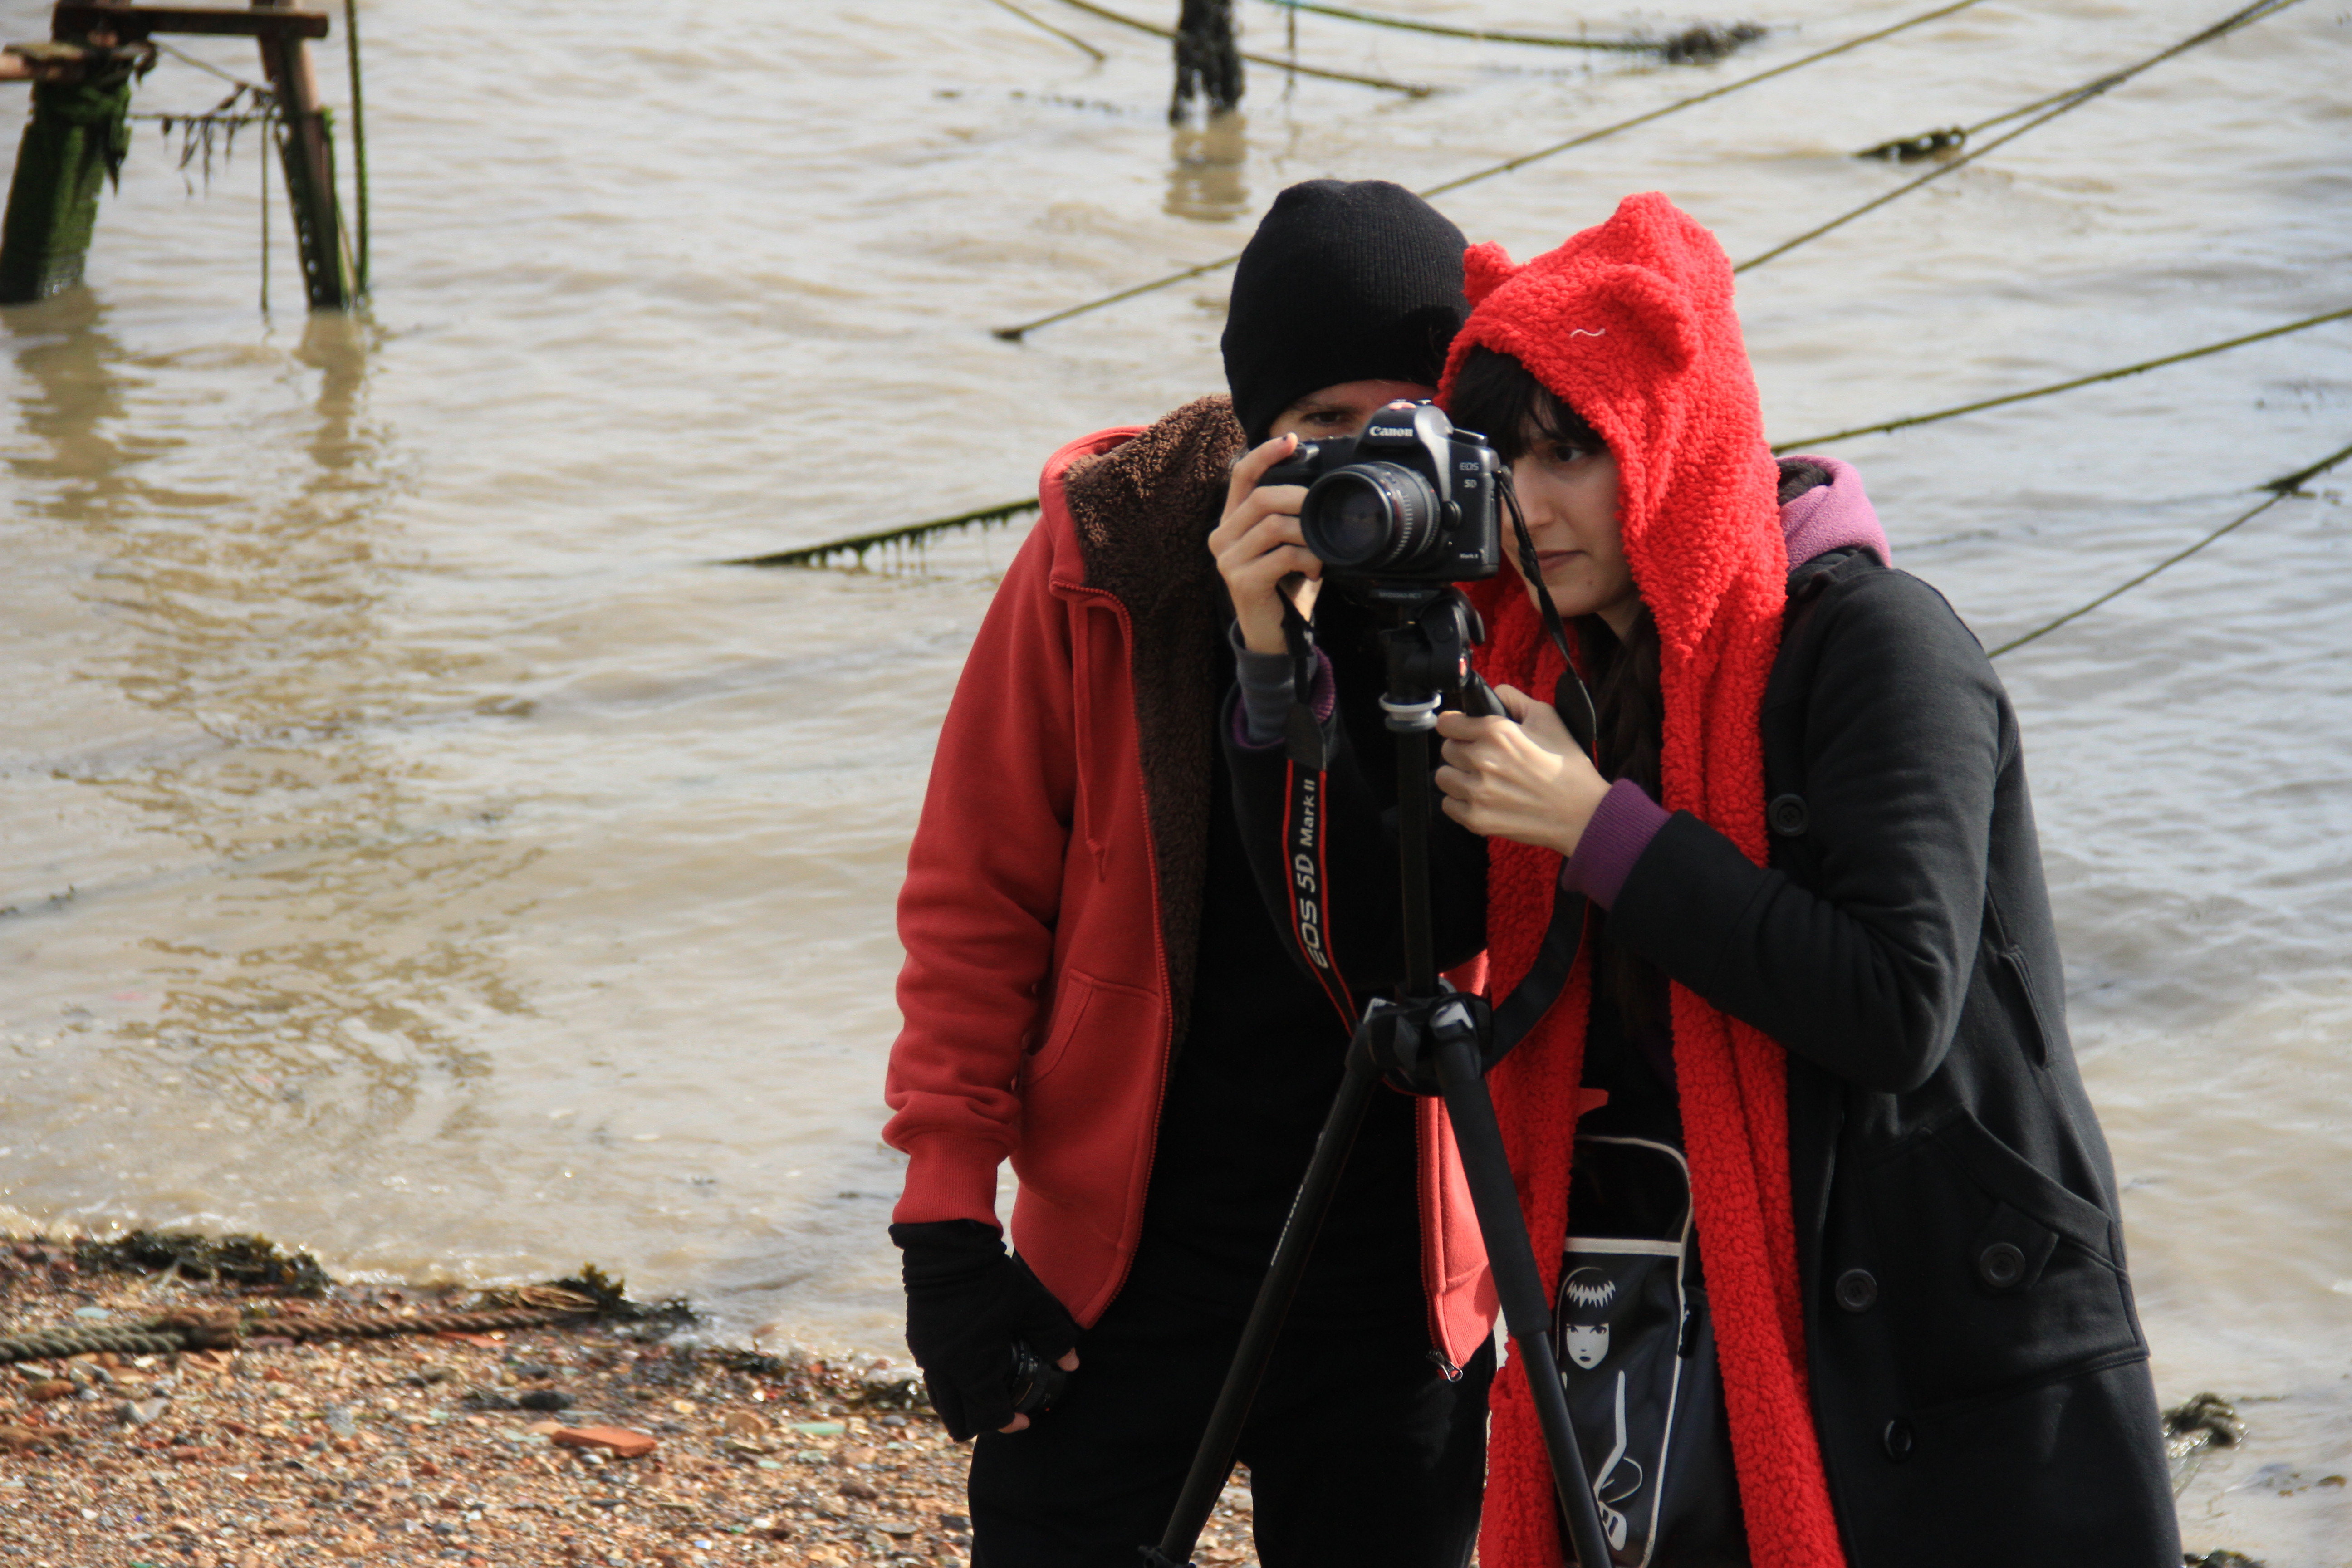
{"x":1588,"y":1299}
{"x":1636,"y":1355}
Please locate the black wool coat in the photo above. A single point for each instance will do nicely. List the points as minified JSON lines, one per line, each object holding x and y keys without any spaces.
{"x":1979,"y":1376}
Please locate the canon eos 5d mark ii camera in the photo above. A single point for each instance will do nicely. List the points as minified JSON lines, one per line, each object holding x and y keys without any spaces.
{"x":1409,"y":501}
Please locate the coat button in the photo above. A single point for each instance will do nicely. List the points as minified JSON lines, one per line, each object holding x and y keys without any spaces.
{"x":1788,"y":816}
{"x":2001,"y":1265}
{"x":1896,"y":1440}
{"x":1856,"y":1290}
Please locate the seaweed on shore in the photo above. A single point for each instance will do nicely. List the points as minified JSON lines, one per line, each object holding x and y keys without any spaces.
{"x":611,"y":1294}
{"x":257,"y":1265}
{"x":255,"y":1262}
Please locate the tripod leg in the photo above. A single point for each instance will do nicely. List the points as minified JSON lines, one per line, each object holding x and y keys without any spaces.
{"x":1212,"y":1462}
{"x":1525,"y":1314}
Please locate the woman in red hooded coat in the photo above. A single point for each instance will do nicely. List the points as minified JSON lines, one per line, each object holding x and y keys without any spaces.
{"x":1821,"y":968}
{"x":1812,"y":1051}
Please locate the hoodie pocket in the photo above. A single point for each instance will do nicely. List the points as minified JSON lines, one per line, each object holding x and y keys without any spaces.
{"x":1088,"y":1099}
{"x":1992,"y":1274}
{"x":1071,"y":998}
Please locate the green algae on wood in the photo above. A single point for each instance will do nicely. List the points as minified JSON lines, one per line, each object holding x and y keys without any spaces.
{"x":72,"y":147}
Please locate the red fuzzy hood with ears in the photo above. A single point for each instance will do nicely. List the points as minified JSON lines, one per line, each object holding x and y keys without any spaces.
{"x":1630,"y":323}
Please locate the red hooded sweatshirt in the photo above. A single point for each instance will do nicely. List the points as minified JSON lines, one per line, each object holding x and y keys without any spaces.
{"x":1630,"y":323}
{"x":1040,"y":1011}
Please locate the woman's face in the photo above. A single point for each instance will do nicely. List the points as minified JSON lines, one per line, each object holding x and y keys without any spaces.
{"x":1570,"y":494}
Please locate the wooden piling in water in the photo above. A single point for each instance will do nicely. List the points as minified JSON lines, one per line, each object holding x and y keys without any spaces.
{"x":1208,"y":60}
{"x":80,"y":132}
{"x":359,"y":138}
{"x":307,"y":149}
{"x":72,"y":145}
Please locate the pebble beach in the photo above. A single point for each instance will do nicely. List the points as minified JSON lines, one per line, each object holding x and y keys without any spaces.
{"x":615,"y":1441}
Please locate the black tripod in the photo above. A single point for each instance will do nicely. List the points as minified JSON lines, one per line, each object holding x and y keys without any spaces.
{"x":1434,"y":1042}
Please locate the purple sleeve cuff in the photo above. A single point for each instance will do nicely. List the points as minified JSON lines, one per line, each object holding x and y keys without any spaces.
{"x":1621,"y":827}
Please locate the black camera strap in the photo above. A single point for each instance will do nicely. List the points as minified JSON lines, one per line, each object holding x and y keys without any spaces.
{"x":1302,"y":731}
{"x":1308,"y":881}
{"x":1582,"y":721}
{"x":1546,"y":976}
{"x":1306,"y":779}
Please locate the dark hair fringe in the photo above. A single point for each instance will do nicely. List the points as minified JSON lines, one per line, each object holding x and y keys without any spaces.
{"x":1501,"y":399}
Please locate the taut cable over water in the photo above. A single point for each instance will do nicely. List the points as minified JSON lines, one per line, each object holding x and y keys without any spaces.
{"x":1703,"y":41}
{"x":2117,"y":374}
{"x":818,"y":555}
{"x":1004,"y":512}
{"x":2073,"y":99}
{"x":1044,"y":25}
{"x":2280,"y":489}
{"x":1510,"y":165}
{"x":1411,"y":89}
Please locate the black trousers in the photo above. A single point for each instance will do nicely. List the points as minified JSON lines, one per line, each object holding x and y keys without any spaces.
{"x":1358,"y":1448}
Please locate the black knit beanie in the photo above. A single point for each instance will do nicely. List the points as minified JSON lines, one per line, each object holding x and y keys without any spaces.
{"x":1344,"y":281}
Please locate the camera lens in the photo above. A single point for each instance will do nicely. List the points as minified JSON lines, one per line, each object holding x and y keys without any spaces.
{"x":1370,"y":517}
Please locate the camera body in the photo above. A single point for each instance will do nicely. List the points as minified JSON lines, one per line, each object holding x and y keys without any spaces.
{"x":1412,"y":500}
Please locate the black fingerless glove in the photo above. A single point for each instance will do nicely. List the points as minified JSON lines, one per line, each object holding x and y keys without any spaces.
{"x":967,"y":1302}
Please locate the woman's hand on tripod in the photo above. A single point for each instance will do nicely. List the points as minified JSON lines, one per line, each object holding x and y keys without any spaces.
{"x":1259,"y":549}
{"x":1522,"y":778}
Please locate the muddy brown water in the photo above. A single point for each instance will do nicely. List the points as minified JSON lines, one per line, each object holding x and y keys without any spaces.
{"x":417,"y":852}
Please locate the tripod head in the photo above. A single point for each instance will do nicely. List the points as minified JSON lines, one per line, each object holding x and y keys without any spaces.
{"x":1432,"y":629}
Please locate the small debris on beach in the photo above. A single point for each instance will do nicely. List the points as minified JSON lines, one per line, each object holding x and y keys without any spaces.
{"x":377,"y":1452}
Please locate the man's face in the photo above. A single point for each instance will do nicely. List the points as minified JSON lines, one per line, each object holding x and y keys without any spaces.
{"x":1344,"y":409}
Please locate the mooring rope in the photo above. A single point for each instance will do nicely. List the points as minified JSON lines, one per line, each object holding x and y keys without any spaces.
{"x":1044,"y":25}
{"x":2057,"y":387}
{"x":1411,"y":89}
{"x":817,"y":554}
{"x":1510,"y":165}
{"x":2280,"y":489}
{"x":859,"y":545}
{"x":2072,"y":99}
{"x":198,"y":1330}
{"x":1004,"y":512}
{"x":1907,"y":148}
{"x":182,"y":55}
{"x":1743,"y":34}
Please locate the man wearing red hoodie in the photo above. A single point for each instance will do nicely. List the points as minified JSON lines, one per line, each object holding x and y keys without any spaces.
{"x":1093,"y":990}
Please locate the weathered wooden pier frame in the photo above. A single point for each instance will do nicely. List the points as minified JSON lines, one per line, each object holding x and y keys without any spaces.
{"x":82,"y":81}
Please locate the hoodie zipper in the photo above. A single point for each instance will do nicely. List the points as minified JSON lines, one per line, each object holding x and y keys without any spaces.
{"x":1082,"y":713}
